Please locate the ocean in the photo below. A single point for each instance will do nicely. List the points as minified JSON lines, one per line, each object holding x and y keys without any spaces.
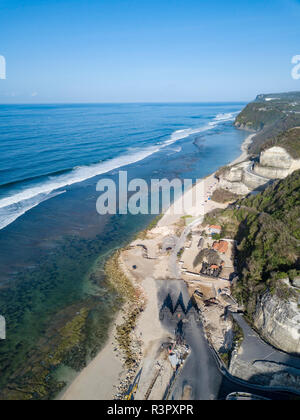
{"x":44,"y":149}
{"x":53,"y":244}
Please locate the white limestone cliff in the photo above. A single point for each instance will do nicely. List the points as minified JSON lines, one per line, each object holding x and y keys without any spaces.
{"x":279,"y":322}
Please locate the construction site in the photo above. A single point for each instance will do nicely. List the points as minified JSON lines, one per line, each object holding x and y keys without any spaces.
{"x":205,"y":272}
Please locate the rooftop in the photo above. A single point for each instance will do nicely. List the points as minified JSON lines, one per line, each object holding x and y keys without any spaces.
{"x":221,"y":246}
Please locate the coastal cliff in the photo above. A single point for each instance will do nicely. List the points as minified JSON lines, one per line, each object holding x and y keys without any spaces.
{"x":278,"y":321}
{"x":273,"y":163}
{"x":268,"y":262}
{"x":266,"y":228}
{"x":271,"y":116}
{"x":274,"y":150}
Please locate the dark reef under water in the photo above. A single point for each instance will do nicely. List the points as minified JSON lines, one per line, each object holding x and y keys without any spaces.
{"x":56,"y":299}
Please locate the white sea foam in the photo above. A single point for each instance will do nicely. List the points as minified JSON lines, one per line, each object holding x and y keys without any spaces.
{"x":78,"y":174}
{"x":181,"y":134}
{"x":17,"y":204}
{"x":11,"y":213}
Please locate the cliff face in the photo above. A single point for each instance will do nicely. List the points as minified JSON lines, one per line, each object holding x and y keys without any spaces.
{"x":271,"y":172}
{"x":268,"y":262}
{"x":279,"y":322}
{"x":276,"y":119}
{"x":257,"y":115}
{"x":276,"y":157}
{"x":270,"y":116}
{"x":267,"y":225}
{"x":232,"y":179}
{"x":274,"y":163}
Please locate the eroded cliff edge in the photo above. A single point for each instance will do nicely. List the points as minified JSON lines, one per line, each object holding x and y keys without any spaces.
{"x":266,"y":230}
{"x":279,"y":321}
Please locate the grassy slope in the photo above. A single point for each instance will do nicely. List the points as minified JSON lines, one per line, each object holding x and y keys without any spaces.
{"x":271,"y":118}
{"x":290,"y":140}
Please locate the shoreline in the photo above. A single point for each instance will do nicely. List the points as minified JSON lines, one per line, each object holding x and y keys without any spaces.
{"x":88,"y":385}
{"x":89,"y":382}
{"x":244,"y":147}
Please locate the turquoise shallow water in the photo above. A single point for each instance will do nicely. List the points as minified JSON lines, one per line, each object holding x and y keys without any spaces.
{"x":54,"y":244}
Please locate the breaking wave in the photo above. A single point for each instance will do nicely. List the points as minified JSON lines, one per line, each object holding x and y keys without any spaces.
{"x":18,"y":203}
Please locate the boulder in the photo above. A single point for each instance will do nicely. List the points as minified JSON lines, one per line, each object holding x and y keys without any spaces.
{"x":296,"y":282}
{"x":279,"y":322}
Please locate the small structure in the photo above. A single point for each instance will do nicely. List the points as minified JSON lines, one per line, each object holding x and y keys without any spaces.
{"x":201,"y":243}
{"x":150,"y":249}
{"x":220,"y":246}
{"x":169,"y":244}
{"x":198,"y":293}
{"x":190,"y":254}
{"x":215,"y":229}
{"x":174,"y":361}
{"x":210,"y":302}
{"x":211,"y":270}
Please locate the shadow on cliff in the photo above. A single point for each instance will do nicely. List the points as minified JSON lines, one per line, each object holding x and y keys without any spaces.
{"x":228,"y":387}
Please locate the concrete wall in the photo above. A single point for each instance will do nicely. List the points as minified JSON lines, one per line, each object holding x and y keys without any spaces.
{"x":254,"y":181}
{"x":272,"y":173}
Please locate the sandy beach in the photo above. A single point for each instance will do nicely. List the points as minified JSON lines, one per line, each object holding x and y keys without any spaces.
{"x":100,"y":379}
{"x":244,"y":149}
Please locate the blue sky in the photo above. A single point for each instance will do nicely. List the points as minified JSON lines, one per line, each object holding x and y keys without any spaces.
{"x":147,"y":50}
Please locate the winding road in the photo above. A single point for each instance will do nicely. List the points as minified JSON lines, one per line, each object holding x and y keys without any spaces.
{"x":202,"y":372}
{"x":174,"y":269}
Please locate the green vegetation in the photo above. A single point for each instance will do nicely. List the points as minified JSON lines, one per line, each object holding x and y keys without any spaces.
{"x":216,"y":236}
{"x":154,"y":222}
{"x":257,"y":115}
{"x":223,"y":218}
{"x":290,"y":140}
{"x":224,"y":196}
{"x":59,"y":313}
{"x":238,"y":334}
{"x":268,"y":238}
{"x":180,"y":252}
{"x":225,"y":357}
{"x":238,"y":338}
{"x":68,"y":330}
{"x":186,"y":217}
{"x":209,"y":255}
{"x":131,"y":296}
{"x":272,"y":119}
{"x":267,"y":230}
{"x":180,"y":225}
{"x":143,"y":234}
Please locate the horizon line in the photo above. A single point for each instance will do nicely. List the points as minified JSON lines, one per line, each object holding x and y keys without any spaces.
{"x":124,"y":103}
